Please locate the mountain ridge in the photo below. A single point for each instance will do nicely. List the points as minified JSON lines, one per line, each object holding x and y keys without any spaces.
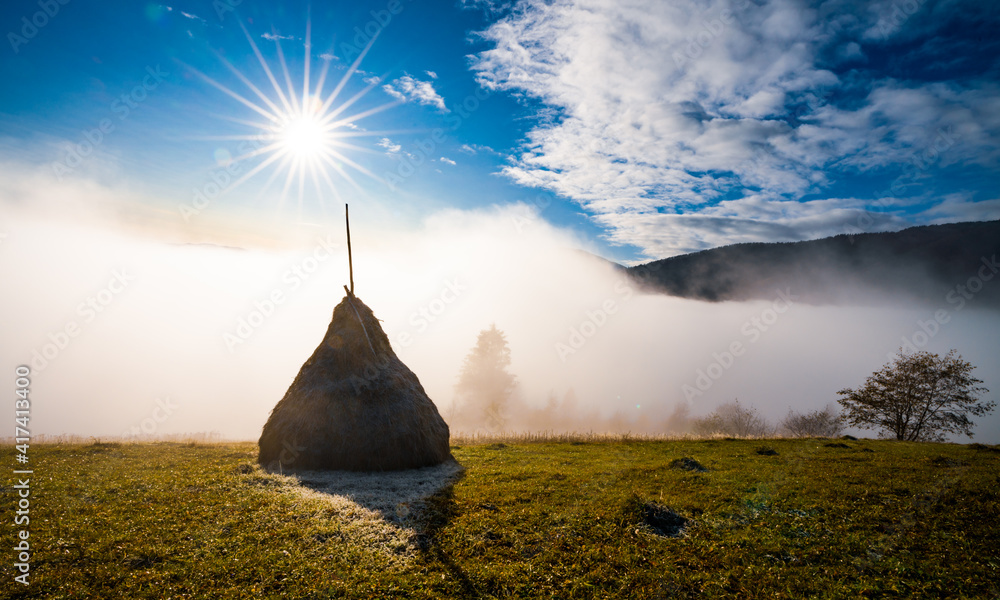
{"x":926,"y":264}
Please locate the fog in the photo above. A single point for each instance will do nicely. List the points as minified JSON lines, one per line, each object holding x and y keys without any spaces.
{"x":129,"y":331}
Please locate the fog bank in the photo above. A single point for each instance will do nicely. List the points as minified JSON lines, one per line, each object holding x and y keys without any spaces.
{"x":138,"y":335}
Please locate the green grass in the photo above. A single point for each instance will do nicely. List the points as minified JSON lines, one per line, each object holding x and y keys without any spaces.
{"x":879,"y":519}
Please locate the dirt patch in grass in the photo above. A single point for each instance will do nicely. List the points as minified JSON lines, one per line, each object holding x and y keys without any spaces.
{"x":688,"y":464}
{"x":944,"y":461}
{"x":837,"y":445}
{"x":654,"y":518}
{"x":766,"y":451}
{"x":983,"y":447}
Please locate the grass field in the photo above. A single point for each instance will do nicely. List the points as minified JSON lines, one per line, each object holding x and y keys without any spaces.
{"x":538,"y":519}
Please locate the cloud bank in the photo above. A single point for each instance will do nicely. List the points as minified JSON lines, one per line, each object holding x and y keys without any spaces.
{"x":684,"y":125}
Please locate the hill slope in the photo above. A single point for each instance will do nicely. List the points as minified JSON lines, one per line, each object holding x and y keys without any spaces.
{"x":924,"y":264}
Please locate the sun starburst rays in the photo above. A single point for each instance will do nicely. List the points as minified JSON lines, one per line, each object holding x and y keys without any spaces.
{"x":303,"y":134}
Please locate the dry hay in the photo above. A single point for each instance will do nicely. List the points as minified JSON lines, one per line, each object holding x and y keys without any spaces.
{"x":354,"y":406}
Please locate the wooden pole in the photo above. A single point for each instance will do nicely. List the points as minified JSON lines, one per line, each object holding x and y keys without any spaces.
{"x":350,"y":261}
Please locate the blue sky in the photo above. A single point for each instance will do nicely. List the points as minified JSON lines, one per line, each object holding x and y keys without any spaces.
{"x":649,"y":128}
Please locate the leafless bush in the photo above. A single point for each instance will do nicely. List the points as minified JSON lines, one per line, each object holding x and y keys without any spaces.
{"x":818,"y":423}
{"x":733,"y":420}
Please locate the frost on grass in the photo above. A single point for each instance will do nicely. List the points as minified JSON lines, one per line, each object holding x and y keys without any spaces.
{"x":377,"y":512}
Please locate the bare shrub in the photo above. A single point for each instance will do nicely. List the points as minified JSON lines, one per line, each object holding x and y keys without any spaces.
{"x":818,"y":423}
{"x":734,"y":420}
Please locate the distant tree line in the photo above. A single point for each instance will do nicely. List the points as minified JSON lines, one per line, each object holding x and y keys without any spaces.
{"x":916,"y":397}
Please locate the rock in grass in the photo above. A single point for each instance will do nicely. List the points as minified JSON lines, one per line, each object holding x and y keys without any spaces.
{"x":354,"y":406}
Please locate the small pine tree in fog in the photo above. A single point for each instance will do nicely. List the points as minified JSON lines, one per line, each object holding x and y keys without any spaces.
{"x":918,"y":397}
{"x":485,"y":387}
{"x":818,"y":423}
{"x":679,"y":420}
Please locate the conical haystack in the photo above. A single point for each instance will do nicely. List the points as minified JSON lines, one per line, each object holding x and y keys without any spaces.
{"x":354,"y":406}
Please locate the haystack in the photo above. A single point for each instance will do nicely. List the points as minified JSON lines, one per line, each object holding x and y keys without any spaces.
{"x":354,"y":406}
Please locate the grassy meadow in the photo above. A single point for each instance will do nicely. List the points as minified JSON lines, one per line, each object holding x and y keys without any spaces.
{"x":527,"y":518}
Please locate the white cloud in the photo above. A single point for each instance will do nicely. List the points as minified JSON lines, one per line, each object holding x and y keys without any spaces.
{"x":431,"y":74}
{"x":473,"y":149}
{"x":488,"y":6}
{"x":409,"y":89}
{"x":192,"y":16}
{"x":447,"y":161}
{"x":327,"y":56}
{"x":275,"y":37}
{"x":664,"y":108}
{"x":391,"y":147}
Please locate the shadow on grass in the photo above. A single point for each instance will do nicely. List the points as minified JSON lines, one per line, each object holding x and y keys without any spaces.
{"x":398,"y":497}
{"x":421,"y":500}
{"x":438,"y":511}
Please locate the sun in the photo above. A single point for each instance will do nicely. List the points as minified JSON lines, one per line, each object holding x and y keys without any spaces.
{"x":302,"y":132}
{"x":304,"y":137}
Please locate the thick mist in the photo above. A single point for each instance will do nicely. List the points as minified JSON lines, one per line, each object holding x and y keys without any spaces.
{"x":133,"y":335}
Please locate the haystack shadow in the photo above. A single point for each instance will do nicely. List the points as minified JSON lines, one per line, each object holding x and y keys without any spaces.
{"x":400,"y":497}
